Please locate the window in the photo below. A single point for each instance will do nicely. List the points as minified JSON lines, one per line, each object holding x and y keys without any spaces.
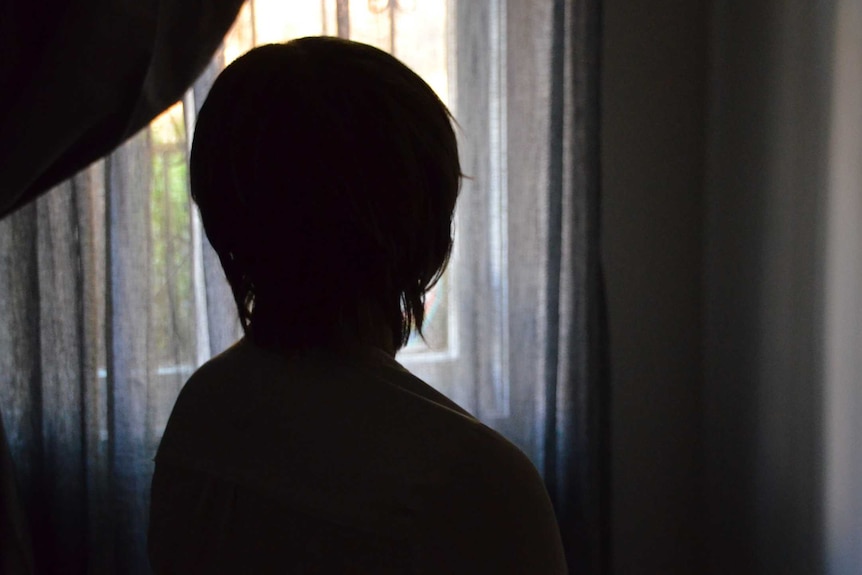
{"x":465,"y":349}
{"x":112,"y":296}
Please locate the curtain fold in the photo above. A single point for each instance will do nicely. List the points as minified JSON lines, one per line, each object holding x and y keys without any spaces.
{"x":577,"y":385}
{"x":129,"y":336}
{"x":527,"y":104}
{"x":16,"y":554}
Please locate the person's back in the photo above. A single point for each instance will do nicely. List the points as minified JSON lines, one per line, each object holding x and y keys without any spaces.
{"x":306,"y":448}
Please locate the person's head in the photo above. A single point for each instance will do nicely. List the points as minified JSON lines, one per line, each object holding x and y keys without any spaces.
{"x":326,"y":173}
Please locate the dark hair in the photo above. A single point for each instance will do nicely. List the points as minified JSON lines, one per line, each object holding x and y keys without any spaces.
{"x":326,"y":173}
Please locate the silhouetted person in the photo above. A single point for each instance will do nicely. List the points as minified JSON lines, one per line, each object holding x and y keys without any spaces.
{"x":327,"y":173}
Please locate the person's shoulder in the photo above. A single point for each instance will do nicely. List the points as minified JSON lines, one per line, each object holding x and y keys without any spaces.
{"x":231,"y":379}
{"x":209,"y":407}
{"x":491,"y":464}
{"x":495,"y":516}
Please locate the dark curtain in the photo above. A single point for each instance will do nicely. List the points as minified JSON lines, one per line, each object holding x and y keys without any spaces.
{"x":78,"y":78}
{"x":577,"y":428}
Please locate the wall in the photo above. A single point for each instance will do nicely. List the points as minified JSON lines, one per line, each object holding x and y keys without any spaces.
{"x":767,"y":189}
{"x":732,"y":169}
{"x":842,"y":342}
{"x":653,"y":113}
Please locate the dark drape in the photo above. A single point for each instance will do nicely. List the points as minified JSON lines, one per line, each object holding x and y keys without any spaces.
{"x":78,"y":78}
{"x":577,"y":428}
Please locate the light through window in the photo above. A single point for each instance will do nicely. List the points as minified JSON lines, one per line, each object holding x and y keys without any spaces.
{"x":414,"y":31}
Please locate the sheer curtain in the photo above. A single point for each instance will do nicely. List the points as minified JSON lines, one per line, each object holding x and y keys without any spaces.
{"x":110,"y":296}
{"x":527,"y":85}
